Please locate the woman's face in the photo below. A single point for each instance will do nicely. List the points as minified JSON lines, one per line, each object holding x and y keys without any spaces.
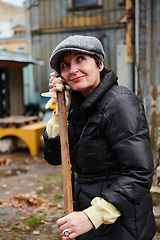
{"x":80,"y":72}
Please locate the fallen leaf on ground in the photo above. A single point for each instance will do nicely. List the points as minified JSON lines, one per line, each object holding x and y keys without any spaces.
{"x":22,"y":201}
{"x":27,"y":227}
{"x":36,"y":232}
{"x":7,"y":230}
{"x":5,"y":161}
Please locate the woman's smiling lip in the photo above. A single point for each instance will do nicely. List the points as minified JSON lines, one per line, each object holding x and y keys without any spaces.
{"x":77,"y":79}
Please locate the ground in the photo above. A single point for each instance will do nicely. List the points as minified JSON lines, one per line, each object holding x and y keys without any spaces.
{"x":31,"y":197}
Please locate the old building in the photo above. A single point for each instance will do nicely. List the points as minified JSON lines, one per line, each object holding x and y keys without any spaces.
{"x":129,"y":31}
{"x":147,"y":65}
{"x":50,"y":21}
{"x":8,"y":12}
{"x":12,"y":28}
{"x":12,"y":36}
{"x":15,"y":77}
{"x":13,"y":46}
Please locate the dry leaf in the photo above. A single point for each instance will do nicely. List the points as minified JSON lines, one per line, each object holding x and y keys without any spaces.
{"x":36,"y":232}
{"x":22,"y":201}
{"x":7,"y":192}
{"x":27,"y":227}
{"x":5,"y":161}
{"x":7,"y":230}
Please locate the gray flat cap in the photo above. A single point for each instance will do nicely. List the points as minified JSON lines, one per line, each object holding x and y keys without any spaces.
{"x":85,"y":44}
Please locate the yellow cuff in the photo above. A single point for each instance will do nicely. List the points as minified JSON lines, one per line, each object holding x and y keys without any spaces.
{"x":102,"y":211}
{"x":93,"y":214}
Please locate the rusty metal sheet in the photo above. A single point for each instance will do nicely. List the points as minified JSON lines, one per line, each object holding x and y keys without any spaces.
{"x":149,"y":68}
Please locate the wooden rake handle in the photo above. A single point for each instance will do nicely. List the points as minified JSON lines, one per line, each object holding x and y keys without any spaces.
{"x":65,"y":157}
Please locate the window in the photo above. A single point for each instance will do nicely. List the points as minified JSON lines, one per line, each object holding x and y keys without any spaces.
{"x":4,"y":92}
{"x":80,"y":3}
{"x":121,"y":3}
{"x":84,"y":2}
{"x":21,"y":50}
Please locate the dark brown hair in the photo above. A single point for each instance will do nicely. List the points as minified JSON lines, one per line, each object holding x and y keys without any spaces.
{"x":98,"y":62}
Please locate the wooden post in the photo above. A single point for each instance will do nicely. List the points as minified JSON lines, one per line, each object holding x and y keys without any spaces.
{"x":130,"y":43}
{"x":66,"y":169}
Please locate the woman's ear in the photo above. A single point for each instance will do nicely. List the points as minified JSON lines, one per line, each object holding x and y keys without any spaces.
{"x":101,"y":66}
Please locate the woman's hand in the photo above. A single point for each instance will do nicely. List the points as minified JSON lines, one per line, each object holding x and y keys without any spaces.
{"x":76,"y":223}
{"x":57,"y":83}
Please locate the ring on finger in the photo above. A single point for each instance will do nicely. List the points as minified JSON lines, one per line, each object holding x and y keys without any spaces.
{"x":66,"y":233}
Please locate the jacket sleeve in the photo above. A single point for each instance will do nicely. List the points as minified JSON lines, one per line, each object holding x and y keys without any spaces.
{"x":51,"y":149}
{"x":127,"y":133}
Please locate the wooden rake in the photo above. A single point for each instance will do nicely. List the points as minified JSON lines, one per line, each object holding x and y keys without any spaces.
{"x":65,"y":156}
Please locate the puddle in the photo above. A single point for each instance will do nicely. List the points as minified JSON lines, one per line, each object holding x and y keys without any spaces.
{"x":12,"y":172}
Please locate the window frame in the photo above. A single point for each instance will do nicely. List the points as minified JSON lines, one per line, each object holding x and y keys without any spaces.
{"x":87,"y":6}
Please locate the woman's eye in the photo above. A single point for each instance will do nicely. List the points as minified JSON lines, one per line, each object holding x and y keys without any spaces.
{"x":81,"y":58}
{"x":64,"y":65}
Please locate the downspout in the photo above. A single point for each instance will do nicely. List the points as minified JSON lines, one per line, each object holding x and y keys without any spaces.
{"x":28,"y":27}
{"x":137,"y":12}
{"x":130,"y":43}
{"x":28,"y":72}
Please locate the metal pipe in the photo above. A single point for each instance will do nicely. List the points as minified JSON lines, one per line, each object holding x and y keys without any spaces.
{"x":28,"y":27}
{"x":137,"y":12}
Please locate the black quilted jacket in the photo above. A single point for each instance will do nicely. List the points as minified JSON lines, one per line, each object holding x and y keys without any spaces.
{"x":111,"y":154}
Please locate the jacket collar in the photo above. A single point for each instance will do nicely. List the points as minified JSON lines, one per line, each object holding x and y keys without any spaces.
{"x":91,"y":101}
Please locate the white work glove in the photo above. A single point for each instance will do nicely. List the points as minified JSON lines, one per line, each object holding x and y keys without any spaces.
{"x":52,"y":127}
{"x":58,"y":85}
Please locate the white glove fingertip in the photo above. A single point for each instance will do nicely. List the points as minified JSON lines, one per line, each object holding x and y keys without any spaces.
{"x":67,"y":87}
{"x":49,"y":94}
{"x":49,"y":103}
{"x":57,"y":80}
{"x":59,"y":86}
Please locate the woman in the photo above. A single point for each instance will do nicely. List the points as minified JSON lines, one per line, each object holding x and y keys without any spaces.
{"x":109,"y":148}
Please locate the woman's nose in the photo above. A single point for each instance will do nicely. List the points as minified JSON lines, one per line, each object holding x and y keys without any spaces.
{"x":73,"y":68}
